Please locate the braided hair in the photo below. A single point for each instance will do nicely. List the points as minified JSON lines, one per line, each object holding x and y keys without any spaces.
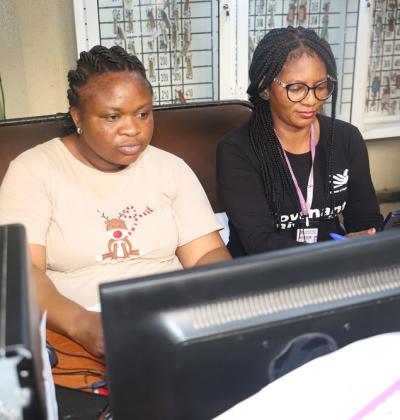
{"x":98,"y":60}
{"x":277,"y":48}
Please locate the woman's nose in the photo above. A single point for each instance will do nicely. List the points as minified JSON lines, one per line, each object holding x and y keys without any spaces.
{"x":310,"y":97}
{"x":130,"y":126}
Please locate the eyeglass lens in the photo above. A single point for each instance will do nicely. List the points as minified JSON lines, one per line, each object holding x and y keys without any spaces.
{"x":298,"y":91}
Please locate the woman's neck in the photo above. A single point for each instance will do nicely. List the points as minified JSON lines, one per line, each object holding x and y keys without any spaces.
{"x":296,"y":141}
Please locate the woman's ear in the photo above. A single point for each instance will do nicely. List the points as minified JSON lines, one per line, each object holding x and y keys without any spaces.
{"x":264,"y":94}
{"x":75,"y":115}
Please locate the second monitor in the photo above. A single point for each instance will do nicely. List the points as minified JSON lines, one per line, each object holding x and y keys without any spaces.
{"x":189,"y":344}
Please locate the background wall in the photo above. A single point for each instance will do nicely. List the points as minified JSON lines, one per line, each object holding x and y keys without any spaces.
{"x":384,"y":156}
{"x":38,"y":48}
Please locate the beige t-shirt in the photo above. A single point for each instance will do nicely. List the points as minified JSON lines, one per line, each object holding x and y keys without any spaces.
{"x":101,"y":226}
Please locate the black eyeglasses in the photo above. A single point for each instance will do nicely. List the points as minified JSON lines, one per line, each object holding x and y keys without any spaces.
{"x":296,"y":92}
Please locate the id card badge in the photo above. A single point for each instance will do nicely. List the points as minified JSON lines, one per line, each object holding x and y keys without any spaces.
{"x":307,"y":235}
{"x":306,"y":232}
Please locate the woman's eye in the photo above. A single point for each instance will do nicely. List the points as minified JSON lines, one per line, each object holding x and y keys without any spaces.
{"x":296,"y":88}
{"x":322,"y":86}
{"x":112,"y":117}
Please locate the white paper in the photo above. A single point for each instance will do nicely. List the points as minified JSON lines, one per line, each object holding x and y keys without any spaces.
{"x":50,"y":391}
{"x":359,"y":381}
{"x":94,"y":308}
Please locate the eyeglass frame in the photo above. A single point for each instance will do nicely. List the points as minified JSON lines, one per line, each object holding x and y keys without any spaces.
{"x":287,"y":86}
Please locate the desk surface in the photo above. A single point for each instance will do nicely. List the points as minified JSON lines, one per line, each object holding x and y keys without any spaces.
{"x":76,"y":368}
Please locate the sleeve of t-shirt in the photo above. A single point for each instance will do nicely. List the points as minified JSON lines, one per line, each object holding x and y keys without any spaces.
{"x":362,"y":210}
{"x":24,"y":199}
{"x":242,"y":193}
{"x":192,"y":211}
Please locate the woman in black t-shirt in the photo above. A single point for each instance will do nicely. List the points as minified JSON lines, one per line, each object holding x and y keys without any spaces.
{"x":287,"y":175}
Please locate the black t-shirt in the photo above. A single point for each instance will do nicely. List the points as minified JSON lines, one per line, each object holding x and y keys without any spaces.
{"x":252,"y":228}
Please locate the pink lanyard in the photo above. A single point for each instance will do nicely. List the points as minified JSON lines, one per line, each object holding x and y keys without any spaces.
{"x":304,"y":203}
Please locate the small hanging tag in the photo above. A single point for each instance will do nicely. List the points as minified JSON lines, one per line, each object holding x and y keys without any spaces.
{"x":307,"y":235}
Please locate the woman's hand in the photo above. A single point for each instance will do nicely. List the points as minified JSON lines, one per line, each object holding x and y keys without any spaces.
{"x":63,"y":315}
{"x":88,"y":332}
{"x":367,"y":232}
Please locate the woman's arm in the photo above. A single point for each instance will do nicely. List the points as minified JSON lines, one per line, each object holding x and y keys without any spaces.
{"x":242,"y":193}
{"x":63,"y":315}
{"x":362,"y":210}
{"x":207,"y":249}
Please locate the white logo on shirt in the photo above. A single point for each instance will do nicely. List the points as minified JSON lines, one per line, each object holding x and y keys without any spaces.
{"x":290,"y":221}
{"x":341,"y":180}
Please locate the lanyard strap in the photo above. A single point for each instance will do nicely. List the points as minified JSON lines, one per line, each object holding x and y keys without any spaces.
{"x":305,"y":204}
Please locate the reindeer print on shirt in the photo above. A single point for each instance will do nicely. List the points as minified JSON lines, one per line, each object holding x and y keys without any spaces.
{"x":119,"y":246}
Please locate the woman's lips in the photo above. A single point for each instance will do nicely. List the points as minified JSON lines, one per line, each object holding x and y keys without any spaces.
{"x":130,"y":148}
{"x":306,"y":115}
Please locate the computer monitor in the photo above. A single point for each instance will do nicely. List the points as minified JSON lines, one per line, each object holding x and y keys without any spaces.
{"x":189,"y":344}
{"x":22,"y":393}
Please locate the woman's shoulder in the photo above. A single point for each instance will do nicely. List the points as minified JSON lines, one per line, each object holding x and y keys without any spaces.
{"x":238,"y":136}
{"x":37,"y":155}
{"x":340,"y":126}
{"x":166,"y":163}
{"x":154,"y":154}
{"x":344,"y":133}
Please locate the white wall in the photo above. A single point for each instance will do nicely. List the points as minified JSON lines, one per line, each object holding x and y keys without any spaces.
{"x":384,"y":157}
{"x":38,"y":48}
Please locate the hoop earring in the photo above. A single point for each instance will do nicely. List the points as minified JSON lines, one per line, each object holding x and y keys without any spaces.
{"x":264,"y":95}
{"x":79,"y":131}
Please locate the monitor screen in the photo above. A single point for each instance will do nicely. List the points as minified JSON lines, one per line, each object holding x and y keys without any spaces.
{"x":22,"y":393}
{"x":190,"y":344}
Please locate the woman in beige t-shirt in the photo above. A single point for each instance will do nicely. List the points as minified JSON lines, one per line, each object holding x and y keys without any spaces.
{"x":101,"y":204}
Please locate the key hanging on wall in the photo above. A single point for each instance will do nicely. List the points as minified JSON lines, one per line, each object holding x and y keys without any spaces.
{"x":187,"y":28}
{"x":131,"y":47}
{"x":175,"y":9}
{"x":174,"y":36}
{"x":314,"y":7}
{"x":393,"y":107}
{"x":177,"y":61}
{"x":189,"y":66}
{"x":325,"y":21}
{"x":165,"y":19}
{"x":151,"y":21}
{"x":397,"y":81}
{"x":252,"y":45}
{"x":175,"y":32}
{"x":261,"y":7}
{"x":392,"y":5}
{"x":152,"y":69}
{"x":116,"y":16}
{"x":129,"y":16}
{"x":375,"y":89}
{"x":391,"y":22}
{"x":180,"y":96}
{"x":291,"y":15}
{"x":165,"y":26}
{"x":187,"y":37}
{"x":302,"y":12}
{"x":385,"y":99}
{"x":164,"y":39}
{"x":271,"y":14}
{"x":378,"y":26}
{"x":186,"y":9}
{"x":120,"y":39}
{"x":128,"y":6}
